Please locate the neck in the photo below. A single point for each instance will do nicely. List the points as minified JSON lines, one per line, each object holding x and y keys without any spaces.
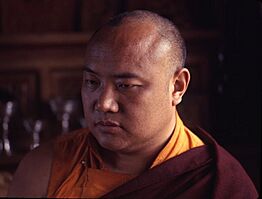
{"x":138,"y":161}
{"x":129,"y":163}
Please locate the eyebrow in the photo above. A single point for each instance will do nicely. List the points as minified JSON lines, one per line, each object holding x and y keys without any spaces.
{"x":89,"y":70}
{"x":124,"y":75}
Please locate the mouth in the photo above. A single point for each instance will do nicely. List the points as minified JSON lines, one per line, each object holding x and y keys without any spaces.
{"x":108,"y":127}
{"x":107,"y":123}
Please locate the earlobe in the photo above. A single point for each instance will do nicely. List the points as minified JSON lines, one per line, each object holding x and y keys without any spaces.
{"x":180,"y":83}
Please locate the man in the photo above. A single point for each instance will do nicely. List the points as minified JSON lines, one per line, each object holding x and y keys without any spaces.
{"x":136,"y":146}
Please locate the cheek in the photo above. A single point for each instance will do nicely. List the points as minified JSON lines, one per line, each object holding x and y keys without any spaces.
{"x":87,"y":103}
{"x":147,"y":109}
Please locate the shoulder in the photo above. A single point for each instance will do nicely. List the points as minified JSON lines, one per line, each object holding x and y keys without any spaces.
{"x":74,"y":136}
{"x":68,"y":144}
{"x":230,"y":176}
{"x":32,"y":175}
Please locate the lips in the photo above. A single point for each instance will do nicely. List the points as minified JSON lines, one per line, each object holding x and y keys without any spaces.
{"x":107,"y":123}
{"x":108,"y":127}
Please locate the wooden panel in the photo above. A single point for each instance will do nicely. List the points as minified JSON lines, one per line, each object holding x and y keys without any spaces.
{"x":66,"y":83}
{"x":23,"y":16}
{"x":95,"y":13}
{"x":44,"y":54}
{"x":186,"y":14}
{"x":23,"y":86}
{"x":175,"y":10}
{"x":22,"y":51}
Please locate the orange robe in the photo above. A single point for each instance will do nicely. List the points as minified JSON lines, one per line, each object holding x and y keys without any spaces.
{"x":77,"y":169}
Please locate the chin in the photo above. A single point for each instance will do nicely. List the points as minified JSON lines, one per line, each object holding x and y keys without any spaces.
{"x":110,"y":142}
{"x":110,"y":147}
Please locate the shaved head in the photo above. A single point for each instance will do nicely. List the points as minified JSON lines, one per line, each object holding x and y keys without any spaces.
{"x":161,"y":34}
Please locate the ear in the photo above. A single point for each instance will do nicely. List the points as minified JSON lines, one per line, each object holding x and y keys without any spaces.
{"x":181,"y":80}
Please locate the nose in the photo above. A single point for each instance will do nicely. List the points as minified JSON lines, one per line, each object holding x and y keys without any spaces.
{"x":106,"y":101}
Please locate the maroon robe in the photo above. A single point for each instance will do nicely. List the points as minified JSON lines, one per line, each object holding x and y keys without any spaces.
{"x":207,"y":171}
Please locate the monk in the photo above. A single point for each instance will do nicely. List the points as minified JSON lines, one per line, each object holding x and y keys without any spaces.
{"x":136,"y":145}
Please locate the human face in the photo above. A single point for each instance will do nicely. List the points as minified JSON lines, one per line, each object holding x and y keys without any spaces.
{"x":126,"y":92}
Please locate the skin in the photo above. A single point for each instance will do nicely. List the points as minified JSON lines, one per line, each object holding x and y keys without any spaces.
{"x":32,"y":175}
{"x":126,"y":81}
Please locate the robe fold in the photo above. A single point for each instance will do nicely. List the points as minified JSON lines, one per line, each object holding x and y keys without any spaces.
{"x":187,"y":167}
{"x":204,"y":172}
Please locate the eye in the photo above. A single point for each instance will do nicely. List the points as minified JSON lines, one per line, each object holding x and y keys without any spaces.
{"x":125,"y":85}
{"x":90,"y":83}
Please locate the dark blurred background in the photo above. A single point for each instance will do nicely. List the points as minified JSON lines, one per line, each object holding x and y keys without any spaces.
{"x":42,"y":47}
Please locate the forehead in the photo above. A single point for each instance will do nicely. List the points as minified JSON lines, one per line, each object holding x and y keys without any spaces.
{"x":130,"y":46}
{"x":130,"y":32}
